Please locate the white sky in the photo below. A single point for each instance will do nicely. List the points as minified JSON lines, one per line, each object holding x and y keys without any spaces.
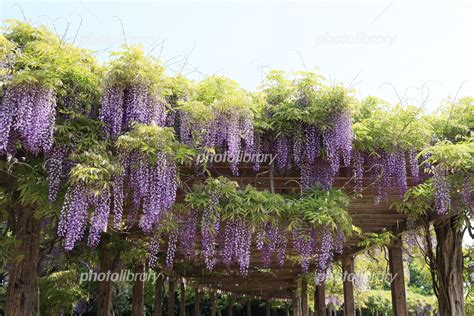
{"x":363,"y":44}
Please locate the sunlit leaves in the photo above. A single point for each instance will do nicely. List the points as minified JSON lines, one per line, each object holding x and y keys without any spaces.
{"x":391,"y":129}
{"x":454,"y":157}
{"x":151,"y":139}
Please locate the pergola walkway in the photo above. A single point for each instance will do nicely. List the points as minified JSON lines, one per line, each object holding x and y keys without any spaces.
{"x":280,"y":282}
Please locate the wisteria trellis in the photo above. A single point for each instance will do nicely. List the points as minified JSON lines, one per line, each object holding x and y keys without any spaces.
{"x":27,"y":119}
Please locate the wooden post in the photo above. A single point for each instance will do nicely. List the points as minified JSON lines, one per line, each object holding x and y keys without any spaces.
{"x":249,"y":307}
{"x":348,"y":270}
{"x":320,"y":300}
{"x":182,"y":299}
{"x":158,"y":294}
{"x":287,"y":309}
{"x":229,"y":308}
{"x":399,"y":299}
{"x":213,"y":303}
{"x":268,"y":310}
{"x":294,"y":303}
{"x":171,"y":294}
{"x":197,"y":302}
{"x":304,"y":296}
{"x":138,"y":298}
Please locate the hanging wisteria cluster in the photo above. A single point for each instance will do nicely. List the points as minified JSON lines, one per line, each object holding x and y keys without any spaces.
{"x":151,"y":187}
{"x":74,"y":215}
{"x":210,"y":228}
{"x":317,"y":247}
{"x":271,"y":241}
{"x":237,"y":242}
{"x":57,"y":169}
{"x":317,"y":154}
{"x":442,"y":198}
{"x":387,"y":170}
{"x":120,"y":107}
{"x":27,"y":114}
{"x":187,"y":237}
{"x":230,"y":132}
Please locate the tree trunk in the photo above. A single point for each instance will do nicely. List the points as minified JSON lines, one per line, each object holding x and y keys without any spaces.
{"x":158,"y":294}
{"x":138,"y":298}
{"x":23,"y":289}
{"x":108,"y":264}
{"x":449,"y":267}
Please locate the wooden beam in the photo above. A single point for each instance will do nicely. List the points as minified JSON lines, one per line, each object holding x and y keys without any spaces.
{"x":171,"y":295}
{"x":304,"y":296}
{"x":320,"y":300}
{"x":399,"y":300}
{"x":182,"y":299}
{"x":249,"y":307}
{"x":268,"y":309}
{"x":158,"y":294}
{"x":348,"y":270}
{"x":197,"y":302}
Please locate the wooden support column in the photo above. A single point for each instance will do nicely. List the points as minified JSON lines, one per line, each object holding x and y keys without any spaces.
{"x":399,"y":299}
{"x":197,"y":301}
{"x":268,"y":309}
{"x":229,"y":308}
{"x":320,"y":300}
{"x":249,"y":307}
{"x":171,"y":294}
{"x":213,"y":303}
{"x":287,"y":309}
{"x":304,"y":296}
{"x":294,"y":304}
{"x":182,"y":298}
{"x":138,"y":297}
{"x":348,"y":270}
{"x":158,"y":294}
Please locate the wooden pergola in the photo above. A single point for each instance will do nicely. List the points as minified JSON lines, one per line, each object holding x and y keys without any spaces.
{"x":281,"y":282}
